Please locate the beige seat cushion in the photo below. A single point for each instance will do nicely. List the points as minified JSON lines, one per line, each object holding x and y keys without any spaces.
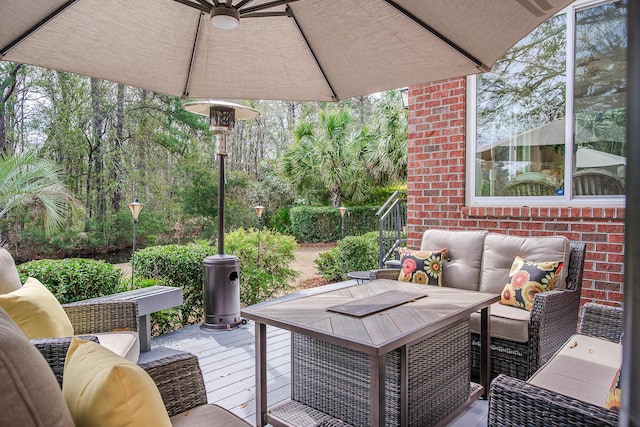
{"x":583,"y":368}
{"x":207,"y":416}
{"x":461,"y":266}
{"x":509,"y":323}
{"x":31,"y":395}
{"x":103,"y":390}
{"x":38,"y":313}
{"x":500,"y":250}
{"x":9,"y":277}
{"x":123,"y":343}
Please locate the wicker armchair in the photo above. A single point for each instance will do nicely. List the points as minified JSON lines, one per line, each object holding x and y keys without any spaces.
{"x":553,"y":319}
{"x":88,"y":318}
{"x":178,"y":378}
{"x":513,"y":402}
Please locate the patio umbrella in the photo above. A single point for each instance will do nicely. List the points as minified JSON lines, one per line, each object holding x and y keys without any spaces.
{"x":320,"y":50}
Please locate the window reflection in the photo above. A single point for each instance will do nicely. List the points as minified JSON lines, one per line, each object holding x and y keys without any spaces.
{"x":521,"y":111}
{"x":599,"y":100}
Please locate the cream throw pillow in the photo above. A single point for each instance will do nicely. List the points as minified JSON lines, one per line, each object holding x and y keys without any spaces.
{"x":103,"y":389}
{"x":38,"y":313}
{"x":9,"y":277}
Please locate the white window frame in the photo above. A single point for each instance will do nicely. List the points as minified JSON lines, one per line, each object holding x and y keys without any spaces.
{"x":566,"y":200}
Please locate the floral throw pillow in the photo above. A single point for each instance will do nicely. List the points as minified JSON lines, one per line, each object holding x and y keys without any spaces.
{"x":614,"y":396}
{"x":423,"y":267}
{"x":528,"y":278}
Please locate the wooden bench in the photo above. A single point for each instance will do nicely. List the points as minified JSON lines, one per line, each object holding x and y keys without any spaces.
{"x":149,"y":300}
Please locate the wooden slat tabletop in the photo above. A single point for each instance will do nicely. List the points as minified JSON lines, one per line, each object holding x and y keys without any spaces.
{"x":377,"y":333}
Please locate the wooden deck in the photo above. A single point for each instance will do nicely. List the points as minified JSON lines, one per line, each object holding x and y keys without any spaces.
{"x":227,"y":362}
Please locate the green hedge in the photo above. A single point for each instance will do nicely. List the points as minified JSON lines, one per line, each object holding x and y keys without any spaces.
{"x":181,"y":265}
{"x":74,"y":279}
{"x":353,"y":253}
{"x":311,"y":224}
{"x":177,"y":265}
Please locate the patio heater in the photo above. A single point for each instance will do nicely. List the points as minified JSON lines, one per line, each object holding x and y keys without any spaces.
{"x":221,"y":277}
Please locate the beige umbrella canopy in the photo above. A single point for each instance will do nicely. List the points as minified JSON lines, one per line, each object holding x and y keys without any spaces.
{"x":319,"y":50}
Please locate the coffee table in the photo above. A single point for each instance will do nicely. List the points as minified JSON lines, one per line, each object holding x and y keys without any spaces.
{"x":374,"y":369}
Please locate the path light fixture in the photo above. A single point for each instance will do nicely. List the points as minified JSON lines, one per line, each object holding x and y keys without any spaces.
{"x":135,"y":207}
{"x":342,"y":212}
{"x":259,"y":210}
{"x":221,"y":276}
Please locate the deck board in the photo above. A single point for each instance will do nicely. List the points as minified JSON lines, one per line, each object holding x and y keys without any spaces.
{"x":228,"y":366}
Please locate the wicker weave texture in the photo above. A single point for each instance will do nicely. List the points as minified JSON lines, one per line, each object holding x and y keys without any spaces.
{"x":299,"y":414}
{"x":92,"y":317}
{"x":179,"y":380}
{"x":601,"y":321}
{"x":439,"y":375}
{"x":54,"y":350}
{"x":335,"y":380}
{"x":514,"y":403}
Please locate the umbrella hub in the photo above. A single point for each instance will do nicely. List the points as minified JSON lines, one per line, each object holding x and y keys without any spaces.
{"x":225,"y":17}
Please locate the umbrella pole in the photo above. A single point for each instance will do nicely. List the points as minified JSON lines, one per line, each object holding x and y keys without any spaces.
{"x":221,"y":196}
{"x":630,"y":413}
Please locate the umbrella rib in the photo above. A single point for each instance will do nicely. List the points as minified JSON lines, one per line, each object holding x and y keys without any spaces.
{"x":36,"y":27}
{"x":265,"y":14}
{"x":313,"y":55}
{"x":193,"y":57}
{"x":200,"y":7}
{"x":439,"y":35}
{"x":242,"y":3}
{"x":206,"y":3}
{"x":266,"y":6}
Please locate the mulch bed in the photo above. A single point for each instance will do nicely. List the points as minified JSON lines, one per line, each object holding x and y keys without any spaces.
{"x":311,"y":283}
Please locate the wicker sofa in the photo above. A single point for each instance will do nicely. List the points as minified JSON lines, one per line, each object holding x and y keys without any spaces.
{"x":521,"y":340}
{"x":575,"y":398}
{"x":114,"y":323}
{"x":32,"y":397}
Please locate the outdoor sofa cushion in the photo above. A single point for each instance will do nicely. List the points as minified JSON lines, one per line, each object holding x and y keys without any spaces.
{"x":500,"y":250}
{"x":30,"y":392}
{"x":207,"y":416}
{"x":509,"y":323}
{"x":461,"y":267}
{"x":104,"y":389}
{"x":9,"y":277}
{"x":122,"y":343}
{"x":583,"y":369}
{"x":38,"y":313}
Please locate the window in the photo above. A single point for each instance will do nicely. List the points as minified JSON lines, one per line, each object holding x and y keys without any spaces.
{"x":547,"y":124}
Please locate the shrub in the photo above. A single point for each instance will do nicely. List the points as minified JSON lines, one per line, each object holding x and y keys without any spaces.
{"x":177,"y":265}
{"x":74,"y":279}
{"x":353,"y":253}
{"x":265,"y":278}
{"x":312,"y":224}
{"x":181,"y":265}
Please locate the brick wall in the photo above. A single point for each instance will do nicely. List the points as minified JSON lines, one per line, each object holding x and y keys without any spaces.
{"x":436,"y":194}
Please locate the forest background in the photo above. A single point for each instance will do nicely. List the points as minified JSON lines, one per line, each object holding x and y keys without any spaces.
{"x":74,"y":151}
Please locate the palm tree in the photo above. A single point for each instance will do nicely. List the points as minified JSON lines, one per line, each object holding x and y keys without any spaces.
{"x":31,"y":182}
{"x":329,"y":155}
{"x":386,"y":155}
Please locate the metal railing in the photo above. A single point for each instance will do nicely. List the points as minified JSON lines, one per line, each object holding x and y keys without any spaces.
{"x":392,"y":223}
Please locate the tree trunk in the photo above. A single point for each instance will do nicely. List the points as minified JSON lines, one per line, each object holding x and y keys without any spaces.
{"x":7,"y":86}
{"x":116,"y":177}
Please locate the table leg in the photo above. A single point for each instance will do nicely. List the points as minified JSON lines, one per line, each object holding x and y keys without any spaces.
{"x":485,"y":351}
{"x":145,"y":332}
{"x":377,"y":391}
{"x":261,"y":374}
